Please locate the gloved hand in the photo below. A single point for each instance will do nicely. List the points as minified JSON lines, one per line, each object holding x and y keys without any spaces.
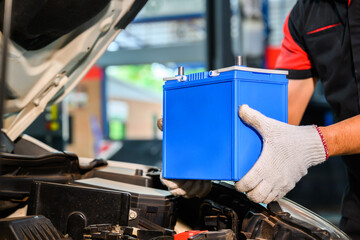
{"x":160,"y":124}
{"x":288,"y":151}
{"x":186,"y":188}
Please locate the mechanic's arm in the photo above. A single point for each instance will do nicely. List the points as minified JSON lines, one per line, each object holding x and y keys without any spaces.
{"x":299,"y":94}
{"x":343,"y":137}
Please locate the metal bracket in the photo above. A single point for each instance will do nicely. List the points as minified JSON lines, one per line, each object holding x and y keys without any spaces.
{"x":132,"y":215}
{"x":181,"y":78}
{"x":215,"y":73}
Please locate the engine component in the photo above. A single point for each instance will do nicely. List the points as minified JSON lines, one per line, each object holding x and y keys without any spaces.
{"x":219,"y":217}
{"x":225,"y":234}
{"x":246,"y":219}
{"x":19,"y":171}
{"x":30,"y":227}
{"x":155,"y":205}
{"x":135,"y":177}
{"x":280,"y":225}
{"x":109,"y":232}
{"x":187,"y":234}
{"x":261,"y":226}
{"x":71,"y":208}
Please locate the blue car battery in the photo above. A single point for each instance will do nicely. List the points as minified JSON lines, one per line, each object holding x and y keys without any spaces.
{"x":203,"y":135}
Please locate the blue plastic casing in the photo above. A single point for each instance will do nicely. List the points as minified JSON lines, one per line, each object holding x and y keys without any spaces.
{"x":204,"y":137}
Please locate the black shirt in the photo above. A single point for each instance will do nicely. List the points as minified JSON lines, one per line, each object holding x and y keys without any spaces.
{"x":322,"y":39}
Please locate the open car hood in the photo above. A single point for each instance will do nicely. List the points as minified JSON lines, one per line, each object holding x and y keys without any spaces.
{"x":46,"y":61}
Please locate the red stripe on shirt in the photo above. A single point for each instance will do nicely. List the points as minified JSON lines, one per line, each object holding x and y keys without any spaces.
{"x":323,"y":28}
{"x":291,"y":56}
{"x":349,"y":2}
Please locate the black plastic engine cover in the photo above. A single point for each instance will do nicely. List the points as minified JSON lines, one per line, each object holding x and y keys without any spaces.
{"x":71,"y":208}
{"x":18,"y":171}
{"x":155,"y":205}
{"x":30,"y":227}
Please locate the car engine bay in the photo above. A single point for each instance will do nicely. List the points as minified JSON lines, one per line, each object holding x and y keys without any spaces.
{"x":115,"y":200}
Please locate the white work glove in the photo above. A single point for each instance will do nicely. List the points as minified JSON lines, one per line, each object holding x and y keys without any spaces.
{"x":288,"y":151}
{"x":186,"y":188}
